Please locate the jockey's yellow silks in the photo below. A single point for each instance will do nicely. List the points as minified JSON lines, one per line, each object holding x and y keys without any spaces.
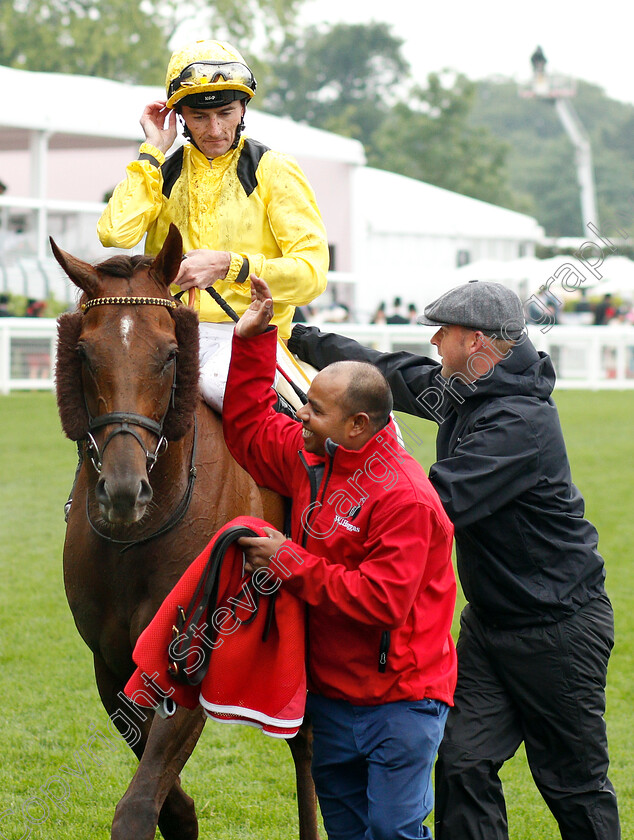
{"x":253,"y":202}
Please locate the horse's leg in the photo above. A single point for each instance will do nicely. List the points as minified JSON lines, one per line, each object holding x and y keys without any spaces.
{"x":174,"y":812}
{"x":154,"y":795}
{"x":302,"y":750}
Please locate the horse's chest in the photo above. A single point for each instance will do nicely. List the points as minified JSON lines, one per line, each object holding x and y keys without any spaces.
{"x":100,"y":604}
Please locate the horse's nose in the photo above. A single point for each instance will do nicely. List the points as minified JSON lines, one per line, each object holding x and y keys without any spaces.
{"x":123,"y":501}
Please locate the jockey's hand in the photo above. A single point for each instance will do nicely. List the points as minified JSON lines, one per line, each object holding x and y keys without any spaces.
{"x":157,"y":133}
{"x":201,"y":268}
{"x":259,"y":551}
{"x":258,"y":316}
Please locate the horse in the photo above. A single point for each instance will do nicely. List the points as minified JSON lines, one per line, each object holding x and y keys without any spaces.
{"x":156,"y":482}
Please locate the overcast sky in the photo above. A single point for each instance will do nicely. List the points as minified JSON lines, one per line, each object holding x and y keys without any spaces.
{"x":590,"y":41}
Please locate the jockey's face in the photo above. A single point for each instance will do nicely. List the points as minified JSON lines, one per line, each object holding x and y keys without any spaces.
{"x":213,"y":130}
{"x":323,"y":417}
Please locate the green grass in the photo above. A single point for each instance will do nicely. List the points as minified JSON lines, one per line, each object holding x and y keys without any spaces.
{"x":242,"y":782}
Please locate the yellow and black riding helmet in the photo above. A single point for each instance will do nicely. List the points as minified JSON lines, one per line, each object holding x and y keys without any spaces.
{"x":207,"y":74}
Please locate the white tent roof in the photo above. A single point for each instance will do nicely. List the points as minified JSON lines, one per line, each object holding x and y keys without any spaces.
{"x":86,"y":111}
{"x":415,"y":207}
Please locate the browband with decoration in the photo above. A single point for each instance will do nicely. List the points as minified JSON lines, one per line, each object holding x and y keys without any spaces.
{"x":102,"y":301}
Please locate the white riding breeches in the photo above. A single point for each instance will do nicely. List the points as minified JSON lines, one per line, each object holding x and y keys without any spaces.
{"x":215,"y":355}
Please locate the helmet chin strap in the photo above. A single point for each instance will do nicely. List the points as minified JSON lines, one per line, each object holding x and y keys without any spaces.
{"x":184,"y":128}
{"x":239,"y":131}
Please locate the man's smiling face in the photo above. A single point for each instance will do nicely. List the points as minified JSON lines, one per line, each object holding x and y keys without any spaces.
{"x":324,"y":415}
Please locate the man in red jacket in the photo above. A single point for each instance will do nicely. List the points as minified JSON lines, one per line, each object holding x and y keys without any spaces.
{"x":371,"y":556}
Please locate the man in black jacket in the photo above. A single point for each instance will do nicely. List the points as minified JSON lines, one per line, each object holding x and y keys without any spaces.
{"x":536,"y":634}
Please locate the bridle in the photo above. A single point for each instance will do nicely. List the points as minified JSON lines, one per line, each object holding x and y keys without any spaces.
{"x":127,"y":420}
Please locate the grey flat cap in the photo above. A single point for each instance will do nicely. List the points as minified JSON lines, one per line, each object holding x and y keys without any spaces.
{"x":478,"y":305}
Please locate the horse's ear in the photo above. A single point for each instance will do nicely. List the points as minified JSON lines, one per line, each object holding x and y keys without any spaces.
{"x":82,"y":274}
{"x":167,"y":262}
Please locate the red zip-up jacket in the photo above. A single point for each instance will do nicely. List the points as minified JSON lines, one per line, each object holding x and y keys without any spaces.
{"x":370,"y":552}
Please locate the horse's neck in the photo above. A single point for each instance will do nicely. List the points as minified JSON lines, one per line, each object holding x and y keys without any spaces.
{"x":228,"y":489}
{"x":181,"y":456}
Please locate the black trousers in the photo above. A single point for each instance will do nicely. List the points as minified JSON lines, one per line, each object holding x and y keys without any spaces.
{"x":544,"y":686}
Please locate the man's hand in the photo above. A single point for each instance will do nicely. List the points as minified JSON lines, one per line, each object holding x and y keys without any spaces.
{"x":258,"y":551}
{"x":258,"y":316}
{"x":153,"y":125}
{"x":201,"y":268}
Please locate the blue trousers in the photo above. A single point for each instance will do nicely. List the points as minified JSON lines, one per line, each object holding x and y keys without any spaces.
{"x":372,"y":766}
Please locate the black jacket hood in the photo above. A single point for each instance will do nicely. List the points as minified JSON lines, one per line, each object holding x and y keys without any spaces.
{"x":524,"y":372}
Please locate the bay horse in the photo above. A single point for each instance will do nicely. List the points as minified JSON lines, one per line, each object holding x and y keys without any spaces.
{"x":156,"y":482}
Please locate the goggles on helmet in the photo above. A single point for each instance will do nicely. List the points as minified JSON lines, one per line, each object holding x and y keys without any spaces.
{"x":211,"y":73}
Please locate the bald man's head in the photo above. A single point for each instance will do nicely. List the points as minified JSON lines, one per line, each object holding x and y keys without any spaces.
{"x":348,"y":402}
{"x":365,"y":390}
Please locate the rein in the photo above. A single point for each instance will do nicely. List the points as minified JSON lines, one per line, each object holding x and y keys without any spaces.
{"x":126,"y":420}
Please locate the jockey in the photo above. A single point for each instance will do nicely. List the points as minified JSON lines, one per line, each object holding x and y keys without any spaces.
{"x":240,"y":206}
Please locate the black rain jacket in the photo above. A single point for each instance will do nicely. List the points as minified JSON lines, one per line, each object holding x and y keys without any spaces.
{"x":526,"y":554}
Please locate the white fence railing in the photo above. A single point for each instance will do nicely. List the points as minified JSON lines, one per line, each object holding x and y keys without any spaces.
{"x":585,"y":357}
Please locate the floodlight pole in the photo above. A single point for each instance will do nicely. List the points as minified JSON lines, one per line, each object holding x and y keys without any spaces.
{"x":583,"y":158}
{"x":560,"y":91}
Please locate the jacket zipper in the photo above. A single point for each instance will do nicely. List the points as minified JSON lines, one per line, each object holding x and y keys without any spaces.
{"x":314,"y":490}
{"x":383,"y":649}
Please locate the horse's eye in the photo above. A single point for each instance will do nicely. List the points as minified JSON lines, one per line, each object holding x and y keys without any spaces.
{"x":170,"y":358}
{"x":81,"y":352}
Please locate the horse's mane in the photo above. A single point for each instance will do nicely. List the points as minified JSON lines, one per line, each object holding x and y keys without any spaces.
{"x":68,"y":382}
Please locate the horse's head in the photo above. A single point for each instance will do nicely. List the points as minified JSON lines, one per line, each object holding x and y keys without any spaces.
{"x":127,"y":371}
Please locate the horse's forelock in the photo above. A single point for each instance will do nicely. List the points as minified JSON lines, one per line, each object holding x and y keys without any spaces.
{"x":68,"y":384}
{"x":181,"y":416}
{"x":123,"y":265}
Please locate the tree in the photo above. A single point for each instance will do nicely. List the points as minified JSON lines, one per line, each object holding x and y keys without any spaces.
{"x":125,"y":40}
{"x":429,"y":137}
{"x":541,"y":160}
{"x":115,"y":40}
{"x":353,"y":80}
{"x":341,"y":79}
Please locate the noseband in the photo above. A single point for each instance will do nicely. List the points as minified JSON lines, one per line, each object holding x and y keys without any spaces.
{"x":125,"y":420}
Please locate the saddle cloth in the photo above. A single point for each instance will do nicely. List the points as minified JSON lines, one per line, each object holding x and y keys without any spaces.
{"x":256,"y":667}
